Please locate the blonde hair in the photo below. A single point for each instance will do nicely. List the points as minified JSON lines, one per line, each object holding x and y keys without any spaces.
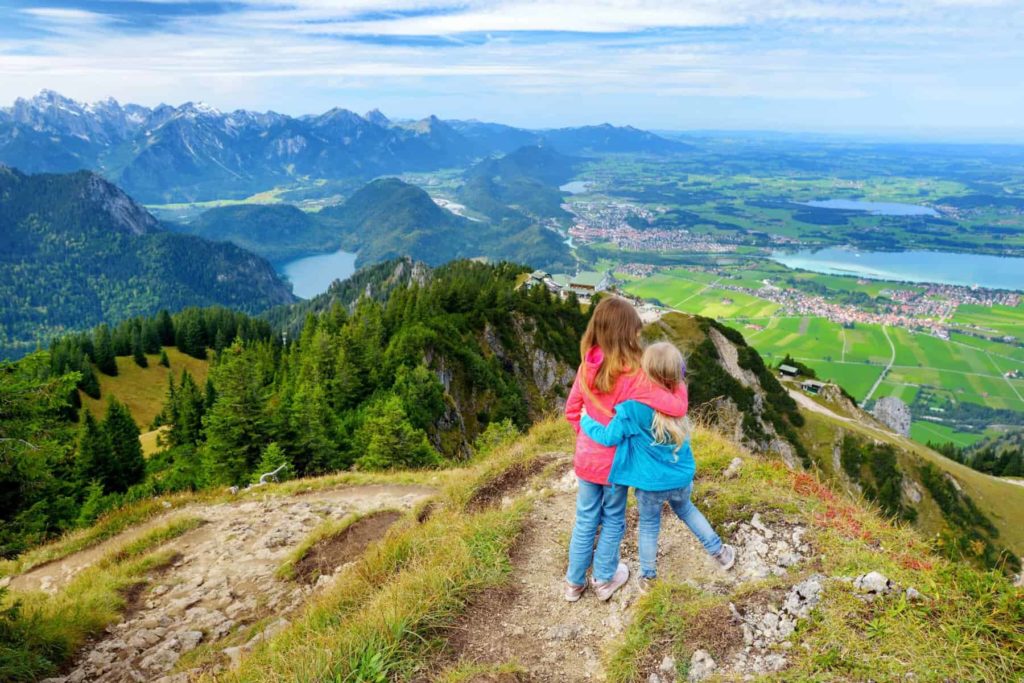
{"x":663,"y":363}
{"x":615,"y":327}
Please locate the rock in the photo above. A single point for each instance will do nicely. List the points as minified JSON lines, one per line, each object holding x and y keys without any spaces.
{"x":733,"y":470}
{"x":654,"y":678}
{"x":233,"y":490}
{"x":189,"y":640}
{"x":873,"y":584}
{"x":756,"y":522}
{"x":913,"y":595}
{"x":701,"y":666}
{"x":668,"y":666}
{"x":564,"y":632}
{"x":788,"y":559}
{"x":894,"y":414}
{"x":166,"y":505}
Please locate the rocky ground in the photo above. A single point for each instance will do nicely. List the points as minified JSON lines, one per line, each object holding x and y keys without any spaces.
{"x":221,"y":583}
{"x":528,"y":623}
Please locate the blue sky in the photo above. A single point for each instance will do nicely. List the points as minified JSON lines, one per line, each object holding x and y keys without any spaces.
{"x":949,"y":69}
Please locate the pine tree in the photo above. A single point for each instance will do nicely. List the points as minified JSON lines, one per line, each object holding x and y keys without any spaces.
{"x":188,"y":411}
{"x":95,"y":459}
{"x":138,"y":352}
{"x":386,"y":439}
{"x":95,"y":504}
{"x":422,"y":395}
{"x":150,"y":336}
{"x":165,"y":328}
{"x":273,"y":457}
{"x":129,"y":466}
{"x":89,"y":384}
{"x":104,"y":349}
{"x":164,"y":360}
{"x":235,"y":425}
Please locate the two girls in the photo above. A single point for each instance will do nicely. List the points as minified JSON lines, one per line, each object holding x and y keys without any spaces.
{"x":610,"y":376}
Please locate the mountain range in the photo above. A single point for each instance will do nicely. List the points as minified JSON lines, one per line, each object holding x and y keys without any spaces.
{"x":76,"y":251}
{"x":194,"y":152}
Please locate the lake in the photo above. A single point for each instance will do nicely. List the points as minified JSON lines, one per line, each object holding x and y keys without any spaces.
{"x":994,"y":272}
{"x":575,"y":187}
{"x":875,"y":208}
{"x":312,"y":275}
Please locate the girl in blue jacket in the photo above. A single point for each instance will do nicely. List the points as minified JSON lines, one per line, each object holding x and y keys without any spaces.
{"x":653,"y":456}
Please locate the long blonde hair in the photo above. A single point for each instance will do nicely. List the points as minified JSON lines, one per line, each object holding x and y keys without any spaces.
{"x":663,"y":363}
{"x":615,"y":327}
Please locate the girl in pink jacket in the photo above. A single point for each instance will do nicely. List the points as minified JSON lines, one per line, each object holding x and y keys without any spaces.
{"x":610,"y":374}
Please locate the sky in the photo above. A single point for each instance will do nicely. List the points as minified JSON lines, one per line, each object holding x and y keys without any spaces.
{"x":945,"y":69}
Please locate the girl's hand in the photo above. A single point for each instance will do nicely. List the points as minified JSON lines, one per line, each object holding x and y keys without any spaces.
{"x":583,"y":412}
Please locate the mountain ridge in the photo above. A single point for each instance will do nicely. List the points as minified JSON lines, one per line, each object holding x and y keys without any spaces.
{"x":194,"y":152}
{"x":76,"y":251}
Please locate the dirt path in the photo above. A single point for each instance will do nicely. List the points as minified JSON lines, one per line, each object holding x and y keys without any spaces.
{"x":528,"y":623}
{"x":223,"y":580}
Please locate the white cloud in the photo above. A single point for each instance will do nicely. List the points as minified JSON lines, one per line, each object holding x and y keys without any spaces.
{"x":297,"y":56}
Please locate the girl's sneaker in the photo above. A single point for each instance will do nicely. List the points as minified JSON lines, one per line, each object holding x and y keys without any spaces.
{"x":726,"y":557}
{"x":647,"y":583}
{"x":574,"y":592}
{"x":605,"y":590}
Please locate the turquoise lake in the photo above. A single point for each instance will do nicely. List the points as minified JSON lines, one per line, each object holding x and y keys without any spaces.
{"x":994,"y":272}
{"x":312,"y":275}
{"x":875,"y":208}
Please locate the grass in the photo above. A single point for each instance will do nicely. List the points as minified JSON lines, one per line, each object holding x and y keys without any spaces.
{"x":970,"y":627}
{"x":51,"y":628}
{"x":143,"y":390}
{"x":924,"y":431}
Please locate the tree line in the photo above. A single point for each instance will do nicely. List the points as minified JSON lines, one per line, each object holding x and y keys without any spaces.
{"x":410,"y":381}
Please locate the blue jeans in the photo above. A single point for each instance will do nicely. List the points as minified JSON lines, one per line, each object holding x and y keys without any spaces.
{"x":597,"y":506}
{"x":649,"y":505}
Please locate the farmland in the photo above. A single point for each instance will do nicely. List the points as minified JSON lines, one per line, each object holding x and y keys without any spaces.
{"x":932,"y":375}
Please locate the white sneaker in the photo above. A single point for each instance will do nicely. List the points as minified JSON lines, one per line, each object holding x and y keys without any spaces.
{"x":726,"y":557}
{"x":605,"y":590}
{"x":574,"y":592}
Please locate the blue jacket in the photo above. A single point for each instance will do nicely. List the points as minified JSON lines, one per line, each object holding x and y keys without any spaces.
{"x":639,"y":461}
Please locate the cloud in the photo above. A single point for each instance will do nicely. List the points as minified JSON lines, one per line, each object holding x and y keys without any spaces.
{"x":641,"y":60}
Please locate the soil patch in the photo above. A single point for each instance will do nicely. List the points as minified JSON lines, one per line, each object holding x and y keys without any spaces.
{"x":508,"y":481}
{"x":330,"y":553}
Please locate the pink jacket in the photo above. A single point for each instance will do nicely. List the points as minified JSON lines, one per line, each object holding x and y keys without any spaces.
{"x":593,"y":461}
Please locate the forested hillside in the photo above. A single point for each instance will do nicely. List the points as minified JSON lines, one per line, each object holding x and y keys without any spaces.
{"x":75,"y":251}
{"x":410,"y":380}
{"x":277,"y":232}
{"x":389,"y":218}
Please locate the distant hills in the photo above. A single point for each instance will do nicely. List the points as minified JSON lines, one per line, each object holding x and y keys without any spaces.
{"x":389,"y":218}
{"x":76,"y":251}
{"x":277,"y":232}
{"x":194,"y":152}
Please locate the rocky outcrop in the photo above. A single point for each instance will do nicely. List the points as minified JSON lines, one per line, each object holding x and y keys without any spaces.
{"x":894,"y":414}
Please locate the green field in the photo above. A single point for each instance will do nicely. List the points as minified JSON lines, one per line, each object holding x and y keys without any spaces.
{"x":1001,"y":319}
{"x":962,"y":369}
{"x":924,"y":431}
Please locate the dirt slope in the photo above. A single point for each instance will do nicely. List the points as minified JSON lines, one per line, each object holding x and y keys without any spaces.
{"x":221,"y":582}
{"x":527,"y":623}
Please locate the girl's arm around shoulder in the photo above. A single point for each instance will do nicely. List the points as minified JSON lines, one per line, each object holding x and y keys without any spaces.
{"x":574,"y":404}
{"x":660,"y":399}
{"x":623,"y":425}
